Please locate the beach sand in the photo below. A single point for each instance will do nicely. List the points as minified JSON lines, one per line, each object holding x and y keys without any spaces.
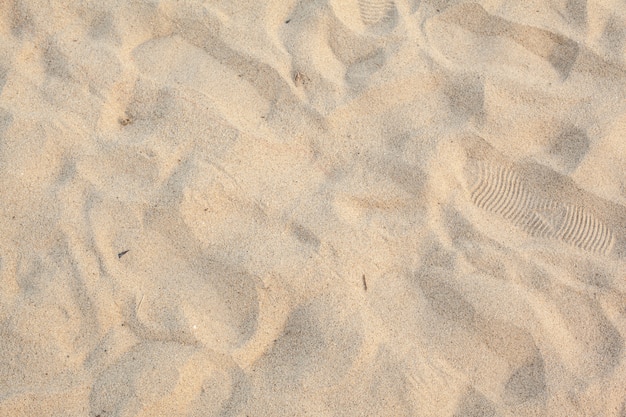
{"x":315,"y":208}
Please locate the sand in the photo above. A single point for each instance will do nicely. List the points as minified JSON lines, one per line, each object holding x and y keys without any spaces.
{"x":316,"y":208}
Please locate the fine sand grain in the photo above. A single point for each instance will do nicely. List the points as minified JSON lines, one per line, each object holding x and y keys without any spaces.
{"x":312,"y":208}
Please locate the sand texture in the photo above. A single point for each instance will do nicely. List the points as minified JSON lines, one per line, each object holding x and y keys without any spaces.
{"x":312,"y":208}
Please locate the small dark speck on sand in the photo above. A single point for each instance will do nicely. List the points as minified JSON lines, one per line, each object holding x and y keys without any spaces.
{"x":364,"y":283}
{"x":119,"y":255}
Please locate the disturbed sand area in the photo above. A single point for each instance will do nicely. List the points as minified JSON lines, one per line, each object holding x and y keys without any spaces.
{"x":312,"y":208}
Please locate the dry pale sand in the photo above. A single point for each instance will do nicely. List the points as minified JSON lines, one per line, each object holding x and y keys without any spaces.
{"x":312,"y":208}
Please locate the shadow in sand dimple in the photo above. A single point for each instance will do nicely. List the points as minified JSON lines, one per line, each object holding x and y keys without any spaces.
{"x":559,"y":51}
{"x":3,"y":76}
{"x":319,"y":345}
{"x":474,"y":404}
{"x":569,"y":148}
